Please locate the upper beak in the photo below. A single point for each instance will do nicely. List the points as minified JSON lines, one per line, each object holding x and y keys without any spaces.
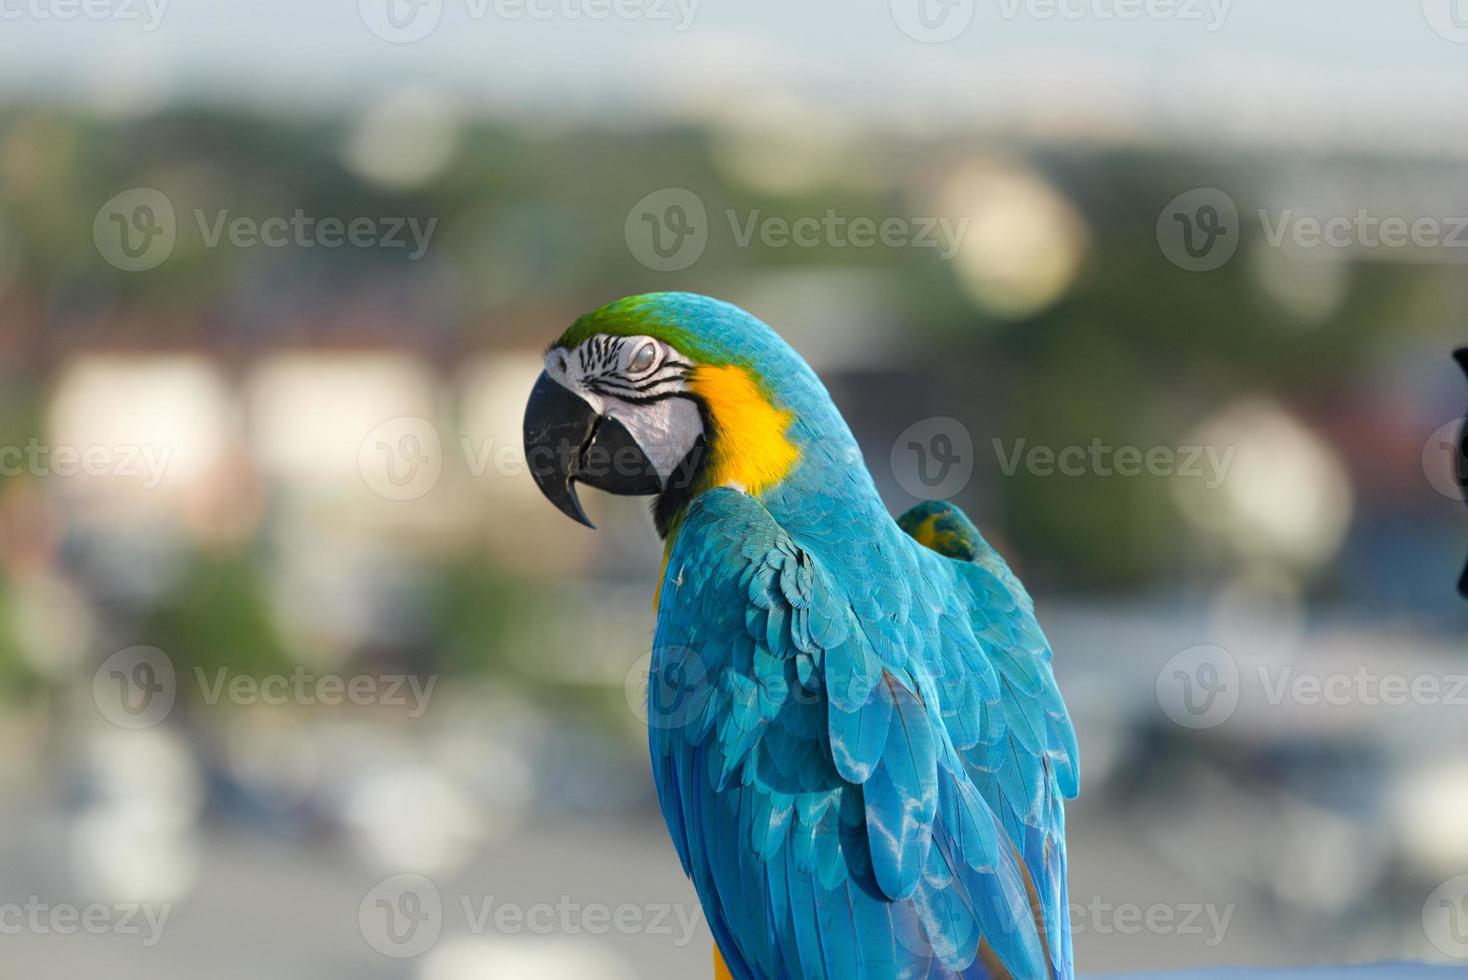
{"x":567,"y":443}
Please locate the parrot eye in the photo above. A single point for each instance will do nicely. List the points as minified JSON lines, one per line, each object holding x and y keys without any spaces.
{"x":642,"y":360}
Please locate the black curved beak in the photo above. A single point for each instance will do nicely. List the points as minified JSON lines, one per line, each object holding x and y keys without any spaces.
{"x":567,"y":443}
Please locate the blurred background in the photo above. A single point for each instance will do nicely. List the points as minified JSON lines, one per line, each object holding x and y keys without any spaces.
{"x":300,"y":677}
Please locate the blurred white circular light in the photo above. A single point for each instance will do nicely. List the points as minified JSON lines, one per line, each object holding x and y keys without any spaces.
{"x":1310,"y":286}
{"x":1285,"y":495}
{"x":54,"y":623}
{"x":136,"y":840}
{"x":1429,"y":804}
{"x":124,"y":857}
{"x":405,"y":140}
{"x":779,"y":146}
{"x":1329,"y":863}
{"x":147,"y":426}
{"x":413,"y":818}
{"x":311,"y":413}
{"x":1020,"y":242}
{"x":492,"y":392}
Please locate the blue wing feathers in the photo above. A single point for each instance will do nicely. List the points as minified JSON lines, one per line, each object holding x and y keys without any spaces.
{"x":902,"y":793}
{"x":858,"y":738}
{"x":869,"y":776}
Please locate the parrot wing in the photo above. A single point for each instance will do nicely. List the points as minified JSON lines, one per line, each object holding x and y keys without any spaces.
{"x":829,"y":744}
{"x":1026,"y":770}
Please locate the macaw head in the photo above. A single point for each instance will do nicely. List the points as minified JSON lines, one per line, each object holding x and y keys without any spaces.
{"x":667,"y":394}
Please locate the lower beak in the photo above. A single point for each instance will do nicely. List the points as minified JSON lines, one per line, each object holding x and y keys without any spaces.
{"x":567,"y":443}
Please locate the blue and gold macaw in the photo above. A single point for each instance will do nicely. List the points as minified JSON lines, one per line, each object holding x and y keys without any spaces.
{"x":859,"y":746}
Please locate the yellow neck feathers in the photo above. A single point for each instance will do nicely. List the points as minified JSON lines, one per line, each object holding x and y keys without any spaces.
{"x":749,"y":445}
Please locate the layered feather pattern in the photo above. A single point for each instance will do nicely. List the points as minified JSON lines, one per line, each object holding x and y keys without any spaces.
{"x":860,"y":797}
{"x":857,"y":739}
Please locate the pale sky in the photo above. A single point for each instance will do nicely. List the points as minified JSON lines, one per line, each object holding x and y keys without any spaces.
{"x":1386,"y":70}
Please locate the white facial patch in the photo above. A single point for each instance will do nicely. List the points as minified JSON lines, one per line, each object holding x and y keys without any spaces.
{"x":642,"y":383}
{"x":666,"y":430}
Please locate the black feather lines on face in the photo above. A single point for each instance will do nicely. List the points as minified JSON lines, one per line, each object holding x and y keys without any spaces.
{"x":602,"y":374}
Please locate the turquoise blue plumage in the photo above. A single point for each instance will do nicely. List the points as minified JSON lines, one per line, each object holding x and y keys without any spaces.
{"x":859,"y":746}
